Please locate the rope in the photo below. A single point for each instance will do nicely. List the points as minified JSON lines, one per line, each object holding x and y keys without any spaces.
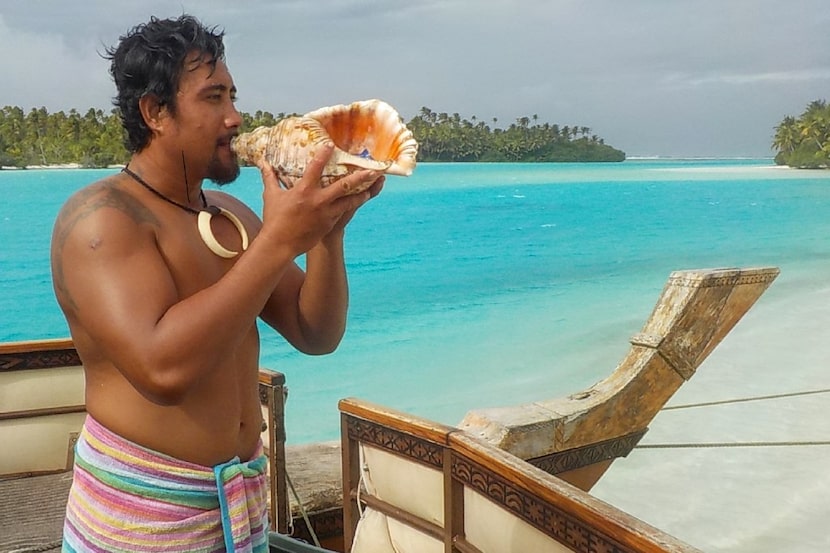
{"x":738,"y":444}
{"x":741,"y":400}
{"x":731,"y":444}
{"x":303,"y":511}
{"x":360,"y":481}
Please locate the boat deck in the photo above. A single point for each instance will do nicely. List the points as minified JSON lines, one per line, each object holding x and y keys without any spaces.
{"x":33,"y":510}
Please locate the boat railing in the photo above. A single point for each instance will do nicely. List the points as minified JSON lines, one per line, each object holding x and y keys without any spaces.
{"x":410,"y":484}
{"x":529,"y":451}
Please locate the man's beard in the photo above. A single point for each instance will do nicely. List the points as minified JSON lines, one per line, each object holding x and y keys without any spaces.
{"x":222,"y":173}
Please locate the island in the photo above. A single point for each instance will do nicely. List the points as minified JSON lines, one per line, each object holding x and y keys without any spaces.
{"x":94,"y":138}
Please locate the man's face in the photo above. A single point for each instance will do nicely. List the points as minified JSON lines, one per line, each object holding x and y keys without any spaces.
{"x":206,"y":120}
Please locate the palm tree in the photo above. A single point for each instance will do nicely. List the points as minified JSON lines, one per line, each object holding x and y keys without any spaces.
{"x":786,"y":135}
{"x":805,"y":141}
{"x":814,"y":129}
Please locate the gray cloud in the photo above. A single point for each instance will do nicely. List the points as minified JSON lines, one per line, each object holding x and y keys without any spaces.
{"x":686,"y":77}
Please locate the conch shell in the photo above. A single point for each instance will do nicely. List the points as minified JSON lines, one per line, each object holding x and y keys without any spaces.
{"x":367,"y":135}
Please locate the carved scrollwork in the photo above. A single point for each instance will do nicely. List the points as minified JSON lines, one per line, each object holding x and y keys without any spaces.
{"x":46,"y":359}
{"x":546,"y":517}
{"x":408,"y":446}
{"x":563,"y":461}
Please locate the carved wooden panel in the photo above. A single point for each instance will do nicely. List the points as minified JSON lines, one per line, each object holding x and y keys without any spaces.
{"x":538,"y":513}
{"x":46,"y":359}
{"x":725,"y":277}
{"x":562,"y":461}
{"x":411,"y":447}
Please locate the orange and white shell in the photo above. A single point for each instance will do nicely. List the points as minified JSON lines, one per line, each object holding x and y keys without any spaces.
{"x":367,"y":135}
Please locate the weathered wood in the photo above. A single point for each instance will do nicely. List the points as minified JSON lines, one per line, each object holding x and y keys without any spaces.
{"x":576,"y":437}
{"x":694,"y":313}
{"x":350,"y":477}
{"x":564,"y":513}
{"x":44,"y":412}
{"x":411,"y":425}
{"x":454,"y":538}
{"x":272,"y":398}
{"x":553,"y":505}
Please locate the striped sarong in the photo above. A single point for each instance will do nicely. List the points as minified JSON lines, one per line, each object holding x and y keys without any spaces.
{"x":127,"y":498}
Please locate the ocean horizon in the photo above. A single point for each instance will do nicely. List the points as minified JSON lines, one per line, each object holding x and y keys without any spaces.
{"x":487,"y":285}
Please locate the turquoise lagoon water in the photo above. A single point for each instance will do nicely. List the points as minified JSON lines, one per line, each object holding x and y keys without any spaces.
{"x":480,"y":285}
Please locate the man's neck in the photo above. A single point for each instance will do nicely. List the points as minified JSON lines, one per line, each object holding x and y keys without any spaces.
{"x":169,"y":174}
{"x":169,"y":177}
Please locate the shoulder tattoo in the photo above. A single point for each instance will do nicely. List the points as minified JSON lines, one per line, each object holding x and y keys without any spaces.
{"x":81,"y":205}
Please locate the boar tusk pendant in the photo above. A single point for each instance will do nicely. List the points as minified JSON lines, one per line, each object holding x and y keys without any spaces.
{"x":206,"y":232}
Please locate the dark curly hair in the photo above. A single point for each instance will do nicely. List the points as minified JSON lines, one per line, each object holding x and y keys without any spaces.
{"x":150,"y":59}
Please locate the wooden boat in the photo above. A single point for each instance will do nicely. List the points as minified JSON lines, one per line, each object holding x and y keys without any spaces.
{"x":508,"y":479}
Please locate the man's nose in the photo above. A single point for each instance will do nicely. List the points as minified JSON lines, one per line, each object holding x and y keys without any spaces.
{"x":233,"y":119}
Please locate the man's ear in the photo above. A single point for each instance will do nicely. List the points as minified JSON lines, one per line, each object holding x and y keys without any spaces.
{"x":153,"y":112}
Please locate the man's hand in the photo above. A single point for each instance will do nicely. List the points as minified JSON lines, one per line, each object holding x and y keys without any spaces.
{"x":309,"y":307}
{"x":300,"y":217}
{"x":374,"y":189}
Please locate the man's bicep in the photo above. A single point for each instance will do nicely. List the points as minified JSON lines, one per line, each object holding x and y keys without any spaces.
{"x":114,"y":280}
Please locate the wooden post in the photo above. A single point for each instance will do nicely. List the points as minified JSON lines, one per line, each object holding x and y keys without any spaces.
{"x":272,"y":395}
{"x":350,"y":458}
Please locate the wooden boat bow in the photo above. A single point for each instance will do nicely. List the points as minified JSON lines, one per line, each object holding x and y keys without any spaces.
{"x":575,"y":438}
{"x":578,"y":437}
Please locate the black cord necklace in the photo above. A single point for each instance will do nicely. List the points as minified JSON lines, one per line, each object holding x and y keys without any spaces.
{"x":204,"y":217}
{"x":146,"y":185}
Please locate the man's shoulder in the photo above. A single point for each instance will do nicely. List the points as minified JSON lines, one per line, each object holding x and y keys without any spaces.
{"x":104,"y":183}
{"x":103,"y":200}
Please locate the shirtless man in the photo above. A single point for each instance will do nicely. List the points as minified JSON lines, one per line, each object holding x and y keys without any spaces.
{"x":166,"y":328}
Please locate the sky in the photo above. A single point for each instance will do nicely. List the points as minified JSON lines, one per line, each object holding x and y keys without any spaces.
{"x":679,"y":78}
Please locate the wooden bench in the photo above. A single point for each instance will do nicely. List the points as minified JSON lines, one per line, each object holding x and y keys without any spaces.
{"x":41,"y":414}
{"x":412,"y":485}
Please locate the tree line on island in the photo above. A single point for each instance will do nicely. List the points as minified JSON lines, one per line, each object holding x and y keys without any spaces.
{"x":804,"y":141}
{"x":95,"y":138}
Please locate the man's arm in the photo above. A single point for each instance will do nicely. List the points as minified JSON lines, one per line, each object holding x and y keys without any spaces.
{"x":118,"y":288}
{"x":309,"y":309}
